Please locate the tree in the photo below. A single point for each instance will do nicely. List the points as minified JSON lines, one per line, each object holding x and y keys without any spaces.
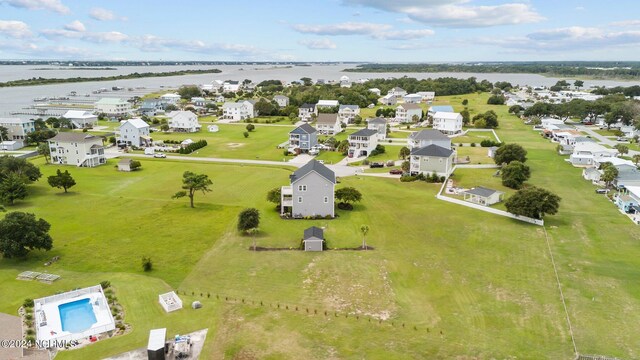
{"x":515,"y":174}
{"x":164,"y":127}
{"x":245,"y":134}
{"x":347,"y":196}
{"x":13,"y":187}
{"x":191,"y":183}
{"x":275,"y":195}
{"x":491,"y":119}
{"x":465,"y":102}
{"x":622,"y":149}
{"x":609,"y":173}
{"x":21,"y":232}
{"x":306,"y":81}
{"x":496,"y":100}
{"x":636,"y":158}
{"x":135,"y":165}
{"x":405,"y":166}
{"x":533,"y":202}
{"x":39,"y":136}
{"x":510,"y":152}
{"x":343,"y":147}
{"x":4,"y":133}
{"x":364,"y":229}
{"x":187,"y":92}
{"x":18,"y":166}
{"x":147,"y":264}
{"x":61,"y":180}
{"x":515,"y":109}
{"x":578,"y":83}
{"x":466,"y":117}
{"x":45,"y":150}
{"x":404,"y":152}
{"x":248,"y":219}
{"x":250,"y":127}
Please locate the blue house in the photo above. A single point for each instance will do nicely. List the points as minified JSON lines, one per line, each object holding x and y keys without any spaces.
{"x":303,"y":138}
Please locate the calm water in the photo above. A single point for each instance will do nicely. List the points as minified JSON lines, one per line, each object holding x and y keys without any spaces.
{"x":17,"y":98}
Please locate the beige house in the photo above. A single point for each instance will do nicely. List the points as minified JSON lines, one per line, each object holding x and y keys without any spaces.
{"x":483,"y":196}
{"x":112,"y":107}
{"x":328,"y":124}
{"x":405,"y":113}
{"x":79,"y":149}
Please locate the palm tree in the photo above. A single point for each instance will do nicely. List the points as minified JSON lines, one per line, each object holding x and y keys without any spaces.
{"x":364,"y":229}
{"x":253,"y":232}
{"x":636,"y":158}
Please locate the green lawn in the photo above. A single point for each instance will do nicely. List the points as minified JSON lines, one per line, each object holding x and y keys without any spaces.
{"x":477,"y":154}
{"x":330,"y":157}
{"x":473,"y":136}
{"x":466,"y":284}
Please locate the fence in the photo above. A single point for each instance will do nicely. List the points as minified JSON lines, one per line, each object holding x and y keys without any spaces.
{"x":68,"y":295}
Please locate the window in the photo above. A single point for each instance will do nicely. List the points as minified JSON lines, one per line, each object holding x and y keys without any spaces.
{"x":302,"y":187}
{"x":326,"y":199}
{"x":299,"y":199}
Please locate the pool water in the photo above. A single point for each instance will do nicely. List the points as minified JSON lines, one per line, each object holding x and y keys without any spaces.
{"x":77,"y":316}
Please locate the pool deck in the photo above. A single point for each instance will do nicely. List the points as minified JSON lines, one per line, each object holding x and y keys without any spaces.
{"x":10,"y":329}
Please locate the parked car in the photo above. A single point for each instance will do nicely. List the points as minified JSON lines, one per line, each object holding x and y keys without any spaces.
{"x":159,"y":155}
{"x":396,"y":171}
{"x":622,"y":139}
{"x":602,"y":191}
{"x":314,"y":152}
{"x":376,"y":165}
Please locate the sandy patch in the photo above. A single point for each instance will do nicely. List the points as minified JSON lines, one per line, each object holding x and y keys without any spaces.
{"x":235,"y":145}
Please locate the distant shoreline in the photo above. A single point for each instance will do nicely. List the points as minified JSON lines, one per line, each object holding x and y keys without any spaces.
{"x":44,"y":81}
{"x":76,"y":68}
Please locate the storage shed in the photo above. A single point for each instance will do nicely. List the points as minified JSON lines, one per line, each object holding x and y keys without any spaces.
{"x":313,"y":239}
{"x":155,"y":347}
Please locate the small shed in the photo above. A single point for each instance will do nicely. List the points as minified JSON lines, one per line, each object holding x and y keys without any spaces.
{"x":170,"y":301}
{"x":124,"y":165}
{"x":483,"y":196}
{"x":155,"y":347}
{"x":492,"y":152}
{"x":186,"y":143}
{"x":10,"y":145}
{"x":313,"y":239}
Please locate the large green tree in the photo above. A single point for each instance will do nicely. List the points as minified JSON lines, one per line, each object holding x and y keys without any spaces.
{"x":515,"y":174}
{"x":609,"y":173}
{"x":61,"y":180}
{"x":274,"y":196}
{"x":13,"y":187}
{"x":404,"y":152}
{"x":533,"y":202}
{"x":18,"y":166}
{"x":248,"y":219}
{"x":510,"y":152}
{"x":189,"y":91}
{"x":192,"y":183}
{"x":348,"y":195}
{"x":21,"y":232}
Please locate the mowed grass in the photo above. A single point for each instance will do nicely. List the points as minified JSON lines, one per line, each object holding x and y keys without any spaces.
{"x":477,"y":154}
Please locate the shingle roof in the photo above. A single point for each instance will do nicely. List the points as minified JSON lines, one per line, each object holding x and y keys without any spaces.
{"x":429,"y":134}
{"x":327,"y":119}
{"x":307,"y":106}
{"x":73,"y":137}
{"x":110,"y":101}
{"x":352,"y":107}
{"x":443,"y":108}
{"x":377,"y":120}
{"x":410,"y":106}
{"x":482,"y":191}
{"x":365,"y":132}
{"x":313,"y":232}
{"x":316,"y":166}
{"x":432,"y":150}
{"x":303,"y":129}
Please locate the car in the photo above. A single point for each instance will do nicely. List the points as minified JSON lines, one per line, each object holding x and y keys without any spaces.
{"x":396,"y":171}
{"x":314,"y":152}
{"x":159,"y":155}
{"x":376,"y":165}
{"x":622,"y":139}
{"x":602,"y":191}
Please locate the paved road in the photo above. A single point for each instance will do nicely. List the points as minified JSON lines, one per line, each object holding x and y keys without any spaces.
{"x":604,"y":140}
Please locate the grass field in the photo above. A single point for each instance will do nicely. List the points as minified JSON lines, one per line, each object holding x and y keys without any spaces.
{"x":477,"y":154}
{"x":466,"y":284}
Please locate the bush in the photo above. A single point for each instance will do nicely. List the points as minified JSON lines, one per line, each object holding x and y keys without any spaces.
{"x":345,"y":206}
{"x":285,"y":152}
{"x":105,"y":284}
{"x":147,"y":265}
{"x":246,"y":134}
{"x":28,"y":317}
{"x":378,"y":150}
{"x":489,"y":143}
{"x":30,"y":339}
{"x":473,"y":144}
{"x":250,"y":127}
{"x":28,"y":303}
{"x":192,"y":147}
{"x":31,"y":332}
{"x":407,"y":178}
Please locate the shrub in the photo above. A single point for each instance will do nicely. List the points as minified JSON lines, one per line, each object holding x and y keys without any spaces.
{"x":31,"y":332}
{"x":250,"y":127}
{"x":30,"y":339}
{"x":378,"y":150}
{"x":285,"y":152}
{"x":28,"y":303}
{"x":246,"y":134}
{"x":29,"y":323}
{"x":192,"y":147}
{"x":28,"y":317}
{"x":105,"y":284}
{"x":147,"y":264}
{"x":473,"y":144}
{"x":489,"y":143}
{"x":407,"y":178}
{"x":345,"y":206}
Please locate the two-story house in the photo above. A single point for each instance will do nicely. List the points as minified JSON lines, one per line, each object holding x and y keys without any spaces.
{"x":431,"y":159}
{"x":398,"y":92}
{"x":406,"y":113}
{"x":231,"y":86}
{"x":328,"y":124}
{"x":81,"y":119}
{"x":304,"y":137}
{"x":112,"y":107}
{"x":412,"y":98}
{"x":237,"y":111}
{"x":77,"y":149}
{"x":379,"y":125}
{"x":151,"y":107}
{"x":18,"y":129}
{"x":428,"y":137}
{"x":449,"y":123}
{"x":306,"y":112}
{"x":133,"y":132}
{"x":170,"y":98}
{"x":311,"y":193}
{"x":347,"y":113}
{"x":362,"y":142}
{"x":283,"y":101}
{"x":183,"y":121}
{"x":388,"y":100}
{"x":198,"y":101}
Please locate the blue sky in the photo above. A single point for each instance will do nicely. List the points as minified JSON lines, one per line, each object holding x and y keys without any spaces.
{"x":323,"y":30}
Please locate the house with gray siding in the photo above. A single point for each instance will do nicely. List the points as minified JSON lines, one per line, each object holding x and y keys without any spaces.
{"x":304,"y":137}
{"x":311,"y":192}
{"x":362,"y":142}
{"x":427,"y":137}
{"x":431,"y":159}
{"x":133,"y":132}
{"x":18,"y":129}
{"x":380,"y":125}
{"x":313,"y":239}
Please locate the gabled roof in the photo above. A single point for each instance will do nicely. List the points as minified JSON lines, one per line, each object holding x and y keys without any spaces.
{"x":482,"y":191}
{"x":443,"y":108}
{"x":429,"y":134}
{"x":410,"y":106}
{"x":365,"y":132}
{"x":170,"y":96}
{"x":110,"y":101}
{"x":397,"y":89}
{"x":328,"y":103}
{"x":303,"y":129}
{"x":280,"y":97}
{"x":230,"y":105}
{"x":74,"y":137}
{"x":316,"y":166}
{"x":78,"y":114}
{"x":307,"y":106}
{"x":125,"y":162}
{"x":352,"y":107}
{"x":377,"y":121}
{"x":413,"y":96}
{"x":136,"y":122}
{"x":327,"y":119}
{"x":313,"y":232}
{"x":180,"y":113}
{"x":15,"y":121}
{"x":446,"y":115}
{"x":432,"y":150}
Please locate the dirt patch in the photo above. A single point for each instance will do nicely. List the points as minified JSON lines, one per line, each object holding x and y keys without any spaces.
{"x":235,"y":145}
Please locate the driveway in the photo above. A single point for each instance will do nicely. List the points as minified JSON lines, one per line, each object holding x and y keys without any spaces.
{"x":603,"y":140}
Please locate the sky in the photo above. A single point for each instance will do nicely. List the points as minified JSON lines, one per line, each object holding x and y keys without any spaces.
{"x":321,"y":30}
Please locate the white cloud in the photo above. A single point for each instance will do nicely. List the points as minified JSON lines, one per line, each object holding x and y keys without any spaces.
{"x":152,"y":43}
{"x":456,"y":13}
{"x":14,"y":29}
{"x":375,"y":31}
{"x":403,"y":34}
{"x":75,"y":26}
{"x":93,"y":37}
{"x":580,"y":8}
{"x":102,"y":14}
{"x":51,"y":5}
{"x":626,"y":23}
{"x":316,"y":44}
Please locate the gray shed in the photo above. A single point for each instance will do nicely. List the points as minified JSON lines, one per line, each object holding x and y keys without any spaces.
{"x":313,"y":239}
{"x":155,"y":348}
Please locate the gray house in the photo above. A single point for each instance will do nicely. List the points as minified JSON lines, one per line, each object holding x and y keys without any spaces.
{"x":311,"y":192}
{"x":431,"y":159}
{"x":313,"y":239}
{"x":304,"y":137}
{"x":380,"y":125}
{"x":428,"y":137}
{"x":282,"y":100}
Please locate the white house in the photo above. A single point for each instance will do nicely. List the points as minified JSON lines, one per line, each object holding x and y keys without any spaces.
{"x":81,"y":119}
{"x":431,"y":159}
{"x":428,"y":137}
{"x":347,"y":113}
{"x":483,"y":196}
{"x":133,"y":132}
{"x":388,"y":100}
{"x":362,"y":142}
{"x":549,"y":123}
{"x":375,"y":91}
{"x":412,"y":98}
{"x":405,"y":113}
{"x":183,"y":121}
{"x":379,"y":125}
{"x":79,"y":149}
{"x":112,"y":107}
{"x":585,"y":153}
{"x":282,"y":100}
{"x":327,"y":103}
{"x":170,"y":98}
{"x":305,"y":112}
{"x":427,"y":96}
{"x":328,"y":124}
{"x":238,"y":111}
{"x":448,"y":122}
{"x":18,"y":129}
{"x":345,"y":81}
{"x":398,"y":92}
{"x":311,"y":192}
{"x":231,"y":86}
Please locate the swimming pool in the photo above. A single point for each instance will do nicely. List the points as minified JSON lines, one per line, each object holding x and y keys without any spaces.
{"x":77,"y":316}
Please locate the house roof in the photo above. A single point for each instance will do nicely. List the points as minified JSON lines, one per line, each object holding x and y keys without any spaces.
{"x":429,"y":134}
{"x":446,"y":115}
{"x":328,"y":103}
{"x":308,"y":106}
{"x":352,"y":107}
{"x":280,"y":97}
{"x":78,"y":114}
{"x":410,"y":106}
{"x":181,"y":112}
{"x":365,"y":132}
{"x":591,"y":171}
{"x":15,"y":121}
{"x":377,"y":121}
{"x":432,"y":150}
{"x":136,"y":122}
{"x":229,"y":105}
{"x":482,"y":191}
{"x":125,"y":162}
{"x":316,"y":166}
{"x":110,"y":101}
{"x":303,"y":129}
{"x":443,"y":108}
{"x":327,"y":119}
{"x":397,"y":89}
{"x":313,"y":232}
{"x":634,"y":190}
{"x":170,"y":96}
{"x":583,"y":139}
{"x":413,"y":96}
{"x":73,"y":137}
